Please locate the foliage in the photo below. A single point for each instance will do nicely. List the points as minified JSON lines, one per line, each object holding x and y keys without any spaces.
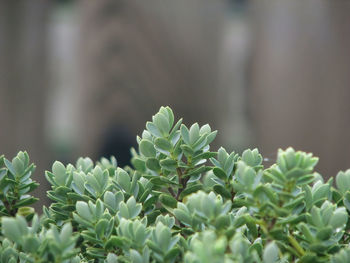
{"x":179,"y":202}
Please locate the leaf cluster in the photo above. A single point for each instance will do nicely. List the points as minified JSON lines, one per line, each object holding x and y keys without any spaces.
{"x":179,"y":202}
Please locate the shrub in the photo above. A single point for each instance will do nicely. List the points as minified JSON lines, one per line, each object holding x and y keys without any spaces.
{"x":179,"y":202}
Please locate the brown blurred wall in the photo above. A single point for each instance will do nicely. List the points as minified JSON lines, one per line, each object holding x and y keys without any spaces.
{"x":140,"y":55}
{"x":24,"y":81}
{"x":300,"y":76}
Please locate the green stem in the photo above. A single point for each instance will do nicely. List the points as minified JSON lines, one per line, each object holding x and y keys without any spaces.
{"x":296,"y":245}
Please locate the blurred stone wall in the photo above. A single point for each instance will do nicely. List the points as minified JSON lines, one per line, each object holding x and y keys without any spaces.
{"x":140,"y":55}
{"x":277,"y":75}
{"x":300,"y":76}
{"x":24,"y":81}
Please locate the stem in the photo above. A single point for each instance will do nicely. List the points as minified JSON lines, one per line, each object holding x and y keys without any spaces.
{"x":8,"y":208}
{"x":182,"y":181}
{"x":262,"y":225}
{"x":232,"y":195}
{"x":9,"y":205}
{"x":296,"y":245}
{"x":171,"y":191}
{"x":300,"y":251}
{"x":179,"y":173}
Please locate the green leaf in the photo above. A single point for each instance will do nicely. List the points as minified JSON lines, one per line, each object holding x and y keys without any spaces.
{"x":182,"y":216}
{"x":230,"y":163}
{"x":84,"y":211}
{"x":153,"y":129}
{"x":270,"y":254}
{"x":144,"y":195}
{"x":324,"y":233}
{"x":161,"y":180}
{"x":172,"y":254}
{"x":25,"y":202}
{"x":205,"y":155}
{"x":262,"y":193}
{"x":123,"y":210}
{"x":135,"y":256}
{"x":153,"y":164}
{"x":112,"y":200}
{"x":168,"y":164}
{"x":219,"y":189}
{"x":205,"y":129}
{"x":162,"y":123}
{"x":10,"y":166}
{"x":101,"y":227}
{"x":124,"y":180}
{"x":3,"y":172}
{"x":176,"y":127}
{"x":188,"y":151}
{"x":151,"y":217}
{"x":11,"y":230}
{"x":111,"y":258}
{"x":252,"y":157}
{"x":343,"y":181}
{"x":316,"y":217}
{"x":200,"y":143}
{"x":211,"y":137}
{"x":66,"y":233}
{"x":220,"y":173}
{"x":116,"y":241}
{"x":189,"y":190}
{"x":59,"y":171}
{"x":170,"y":115}
{"x":18,"y":165}
{"x":163,"y":144}
{"x":306,"y":179}
{"x":185,"y":134}
{"x":147,"y":148}
{"x":26,"y":211}
{"x":339,"y":218}
{"x":194,"y":133}
{"x":196,"y":171}
{"x":139,"y":164}
{"x":30,"y":244}
{"x":321,"y":192}
{"x":347,"y":200}
{"x":168,"y":200}
{"x":222,"y":222}
{"x":245,"y":176}
{"x":130,"y":209}
{"x":307,"y":233}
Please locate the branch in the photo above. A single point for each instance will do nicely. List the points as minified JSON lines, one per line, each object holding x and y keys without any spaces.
{"x":182,"y":181}
{"x":171,"y":191}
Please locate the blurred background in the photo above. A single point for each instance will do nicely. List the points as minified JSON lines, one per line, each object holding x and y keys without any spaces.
{"x":81,"y":78}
